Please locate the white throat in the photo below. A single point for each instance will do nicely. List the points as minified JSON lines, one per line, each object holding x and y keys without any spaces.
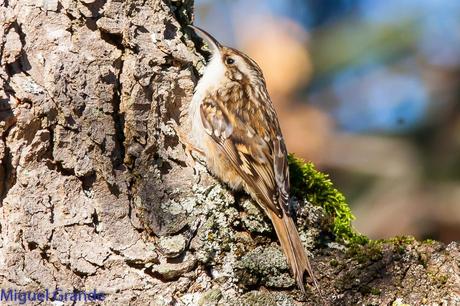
{"x":210,"y":81}
{"x":212,"y":76}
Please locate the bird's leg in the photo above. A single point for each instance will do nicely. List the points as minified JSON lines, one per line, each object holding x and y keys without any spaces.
{"x":189,"y":148}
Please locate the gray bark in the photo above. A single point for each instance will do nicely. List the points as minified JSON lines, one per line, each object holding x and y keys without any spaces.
{"x":97,"y":192}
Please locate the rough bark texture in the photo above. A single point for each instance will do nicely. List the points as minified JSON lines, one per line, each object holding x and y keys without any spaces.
{"x":96,"y":189}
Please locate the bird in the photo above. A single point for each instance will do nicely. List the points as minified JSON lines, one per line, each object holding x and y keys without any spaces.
{"x":235,"y":129}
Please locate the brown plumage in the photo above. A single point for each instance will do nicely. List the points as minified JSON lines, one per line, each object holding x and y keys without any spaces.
{"x":235,"y":125}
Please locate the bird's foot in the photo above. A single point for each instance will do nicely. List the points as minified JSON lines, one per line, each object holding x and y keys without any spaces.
{"x":189,"y":148}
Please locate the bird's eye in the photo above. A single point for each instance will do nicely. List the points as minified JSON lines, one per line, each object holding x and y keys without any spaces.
{"x":229,"y":61}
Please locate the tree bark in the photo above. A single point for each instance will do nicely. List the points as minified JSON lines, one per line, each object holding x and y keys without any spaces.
{"x":97,"y":192}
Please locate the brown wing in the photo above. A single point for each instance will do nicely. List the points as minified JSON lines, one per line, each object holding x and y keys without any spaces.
{"x":257,"y":153}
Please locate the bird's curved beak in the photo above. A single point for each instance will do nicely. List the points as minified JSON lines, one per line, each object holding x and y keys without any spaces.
{"x":213,"y":44}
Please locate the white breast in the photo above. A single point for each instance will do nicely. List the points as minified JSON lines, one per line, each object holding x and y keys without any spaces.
{"x":209,"y":82}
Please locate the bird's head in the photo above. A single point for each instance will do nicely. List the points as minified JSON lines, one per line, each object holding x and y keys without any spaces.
{"x":233,"y":64}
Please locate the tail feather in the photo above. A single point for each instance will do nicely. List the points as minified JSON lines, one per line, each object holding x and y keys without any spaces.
{"x":293,"y":249}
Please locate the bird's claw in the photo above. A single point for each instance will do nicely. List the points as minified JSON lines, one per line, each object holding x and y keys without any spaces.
{"x":189,"y":148}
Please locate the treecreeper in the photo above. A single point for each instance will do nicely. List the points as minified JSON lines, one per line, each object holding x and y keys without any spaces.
{"x":235,"y":130}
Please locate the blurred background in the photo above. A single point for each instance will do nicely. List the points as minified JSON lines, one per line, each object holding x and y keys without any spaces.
{"x":370,"y":92}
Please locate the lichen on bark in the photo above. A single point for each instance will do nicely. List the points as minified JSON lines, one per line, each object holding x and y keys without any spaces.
{"x":97,"y":192}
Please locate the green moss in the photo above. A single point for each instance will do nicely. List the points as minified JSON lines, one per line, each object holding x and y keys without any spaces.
{"x":438,"y":279}
{"x":366,"y":290}
{"x":399,"y":243}
{"x":334,"y":263}
{"x":372,"y":251}
{"x":442,"y":279}
{"x":400,"y":240}
{"x":317,"y":188}
{"x":375,"y":291}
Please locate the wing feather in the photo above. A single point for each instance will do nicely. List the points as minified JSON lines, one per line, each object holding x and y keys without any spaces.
{"x":259,"y":158}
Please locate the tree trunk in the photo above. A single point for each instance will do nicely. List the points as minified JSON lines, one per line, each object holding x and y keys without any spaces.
{"x":98,"y":194}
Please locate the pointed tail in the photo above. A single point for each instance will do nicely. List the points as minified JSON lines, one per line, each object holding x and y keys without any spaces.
{"x":293,"y":249}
